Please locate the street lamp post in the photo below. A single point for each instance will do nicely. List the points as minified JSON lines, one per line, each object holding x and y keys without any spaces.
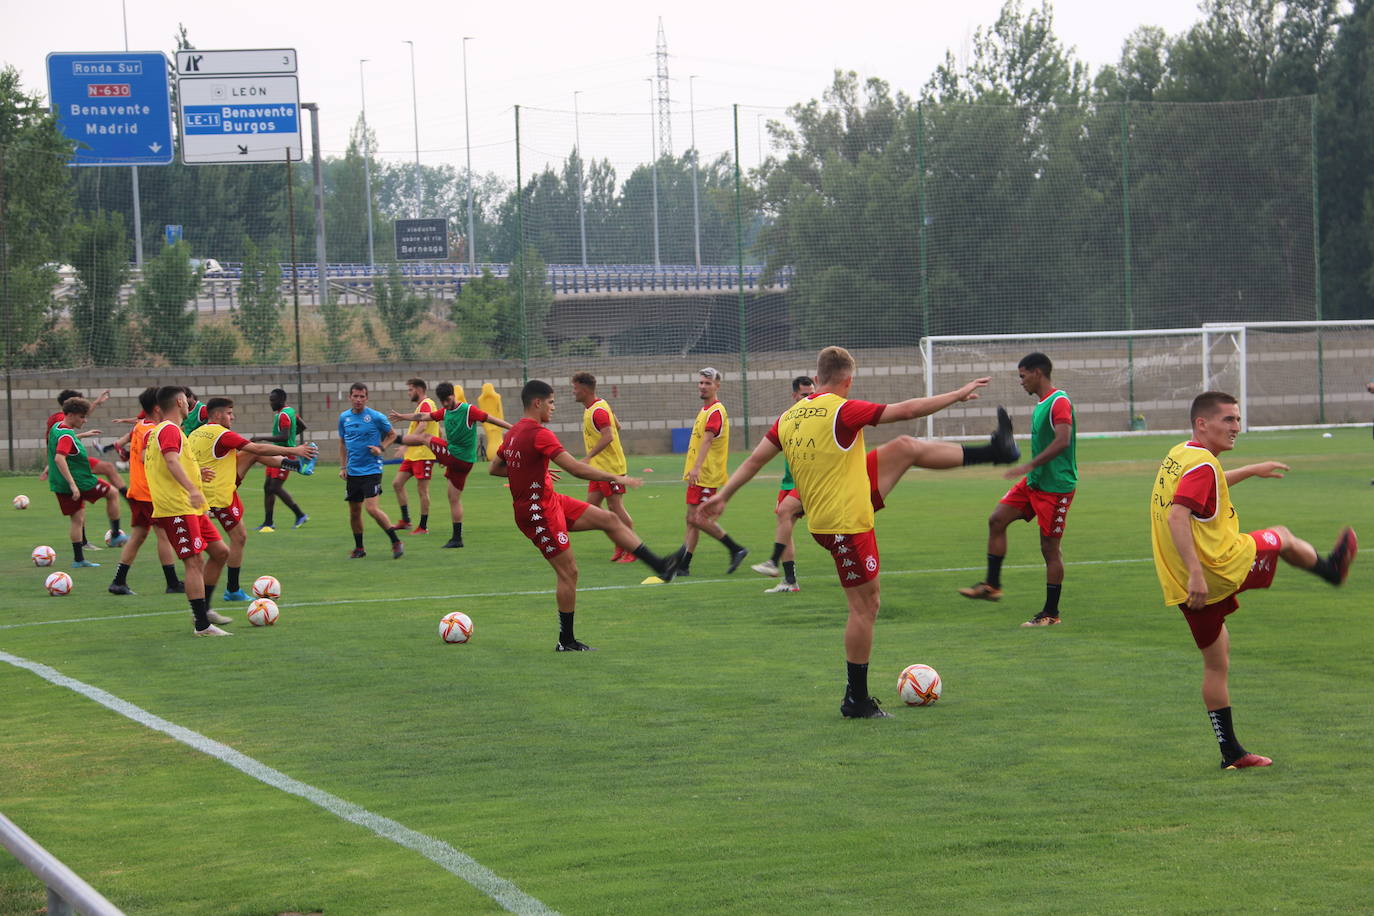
{"x":696,"y":205}
{"x":367,"y":166}
{"x":415,"y":109}
{"x":467,"y":137}
{"x":581,"y":193}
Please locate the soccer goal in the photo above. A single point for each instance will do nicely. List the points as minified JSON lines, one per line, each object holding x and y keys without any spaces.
{"x":1285,"y":374}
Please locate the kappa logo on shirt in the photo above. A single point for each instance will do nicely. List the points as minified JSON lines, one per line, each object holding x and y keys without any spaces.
{"x":543,"y":540}
{"x":851,"y":577}
{"x":550,"y":549}
{"x":1064,"y":500}
{"x":841,"y":549}
{"x":1058,"y":529}
{"x":839,"y":539}
{"x":182,"y":541}
{"x":535,"y":486}
{"x":847,"y":563}
{"x":539,"y":529}
{"x":536,"y":517}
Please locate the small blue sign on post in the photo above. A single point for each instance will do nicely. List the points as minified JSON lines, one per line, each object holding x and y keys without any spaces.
{"x":115,"y":105}
{"x":173,"y":234}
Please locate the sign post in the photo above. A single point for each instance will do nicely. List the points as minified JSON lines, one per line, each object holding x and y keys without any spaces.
{"x":421,"y":239}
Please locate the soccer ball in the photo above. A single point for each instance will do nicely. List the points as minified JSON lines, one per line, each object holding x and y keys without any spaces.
{"x":43,"y":556}
{"x":263,"y":612}
{"x":110,"y":538}
{"x":919,"y":685}
{"x":58,"y":584}
{"x":455,"y":627}
{"x":267,"y":587}
{"x":21,"y":501}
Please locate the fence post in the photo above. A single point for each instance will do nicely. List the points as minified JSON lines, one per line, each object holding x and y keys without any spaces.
{"x":921,"y":217}
{"x":518,"y":260}
{"x":1317,"y":267}
{"x":1126,"y":258}
{"x":67,"y":892}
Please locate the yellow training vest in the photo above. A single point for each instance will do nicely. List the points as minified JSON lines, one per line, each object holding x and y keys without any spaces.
{"x":168,"y":496}
{"x":612,"y":457}
{"x":1225,"y":552}
{"x":713,"y":469}
{"x":422,"y":452}
{"x":831,"y":481}
{"x":219,"y":492}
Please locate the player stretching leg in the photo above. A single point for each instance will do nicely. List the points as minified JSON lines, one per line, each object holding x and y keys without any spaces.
{"x":841,"y":487}
{"x":457,"y":451}
{"x":788,"y":510}
{"x":74,"y":483}
{"x":1204,"y":561}
{"x":1044,"y":494}
{"x":545,"y":516}
{"x":287,"y":427}
{"x":216,"y":446}
{"x":705,"y":470}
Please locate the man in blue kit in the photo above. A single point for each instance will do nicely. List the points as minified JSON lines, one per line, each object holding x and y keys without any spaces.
{"x":364,"y":434}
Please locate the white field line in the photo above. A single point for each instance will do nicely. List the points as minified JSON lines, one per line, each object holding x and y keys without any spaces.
{"x":680,"y":583}
{"x":510,"y":897}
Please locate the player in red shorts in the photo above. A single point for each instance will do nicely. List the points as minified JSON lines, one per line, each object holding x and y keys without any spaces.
{"x":216,"y":446}
{"x":456,"y":450}
{"x":141,"y":506}
{"x":74,"y":483}
{"x":174,"y":480}
{"x":787,"y":511}
{"x":1204,"y":560}
{"x":841,"y":488}
{"x":546,"y":516}
{"x":1045,"y":493}
{"x":416,"y":461}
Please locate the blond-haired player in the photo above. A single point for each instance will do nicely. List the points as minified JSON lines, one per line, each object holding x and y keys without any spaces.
{"x":841,"y":486}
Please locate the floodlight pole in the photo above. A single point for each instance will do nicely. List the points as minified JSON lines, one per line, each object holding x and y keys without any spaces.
{"x":367,"y":166}
{"x":133,"y":170}
{"x":467,"y":139}
{"x":696,"y":204}
{"x":415,"y":112}
{"x":581,"y":191}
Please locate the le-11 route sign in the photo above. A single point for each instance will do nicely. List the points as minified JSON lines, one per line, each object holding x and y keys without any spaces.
{"x":239,"y":106}
{"x":114,"y":104}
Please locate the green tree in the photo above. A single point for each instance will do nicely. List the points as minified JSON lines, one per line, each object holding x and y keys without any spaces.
{"x":475,"y":312}
{"x":35,"y":205}
{"x":399,"y":310}
{"x":520,"y":329}
{"x":258,"y":315}
{"x":169,"y":285}
{"x":99,"y":250}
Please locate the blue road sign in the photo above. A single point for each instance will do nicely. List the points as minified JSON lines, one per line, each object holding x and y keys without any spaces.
{"x":173,"y":234}
{"x":114,"y":104}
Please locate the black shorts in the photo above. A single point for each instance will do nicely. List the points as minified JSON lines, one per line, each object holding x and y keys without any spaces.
{"x":362,"y":488}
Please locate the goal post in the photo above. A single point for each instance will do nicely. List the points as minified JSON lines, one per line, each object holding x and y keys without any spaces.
{"x":1302,"y":373}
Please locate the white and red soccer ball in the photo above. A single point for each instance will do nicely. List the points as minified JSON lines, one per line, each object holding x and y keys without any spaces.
{"x":58,"y":584}
{"x":455,"y":627}
{"x":266,"y":587}
{"x":263,"y":612}
{"x":43,"y":556}
{"x":21,"y":501}
{"x":919,"y":685}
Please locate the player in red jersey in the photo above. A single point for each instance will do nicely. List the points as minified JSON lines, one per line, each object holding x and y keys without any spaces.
{"x":545,"y":516}
{"x":99,"y":466}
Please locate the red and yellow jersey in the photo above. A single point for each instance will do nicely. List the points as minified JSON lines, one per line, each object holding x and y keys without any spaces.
{"x":714,"y":472}
{"x":169,"y":498}
{"x":595,"y":419}
{"x":823,"y":441}
{"x":430,"y":428}
{"x":216,"y":447}
{"x":1191,"y":476}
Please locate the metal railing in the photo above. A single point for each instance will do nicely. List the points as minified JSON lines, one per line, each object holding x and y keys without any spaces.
{"x":67,"y":893}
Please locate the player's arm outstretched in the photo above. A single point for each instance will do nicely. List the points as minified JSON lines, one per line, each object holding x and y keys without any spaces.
{"x":265,"y":448}
{"x":567,"y":462}
{"x":913,"y":408}
{"x":1262,"y":469}
{"x":712,"y":507}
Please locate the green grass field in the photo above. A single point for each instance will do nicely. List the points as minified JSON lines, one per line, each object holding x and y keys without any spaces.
{"x":697,"y":762}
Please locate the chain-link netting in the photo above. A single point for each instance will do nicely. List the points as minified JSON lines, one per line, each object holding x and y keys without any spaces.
{"x":763,"y":235}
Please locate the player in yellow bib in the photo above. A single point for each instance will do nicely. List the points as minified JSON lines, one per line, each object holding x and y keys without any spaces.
{"x":841,"y":486}
{"x":601,"y":439}
{"x":1204,"y":560}
{"x":417,"y":460}
{"x":705,"y":471}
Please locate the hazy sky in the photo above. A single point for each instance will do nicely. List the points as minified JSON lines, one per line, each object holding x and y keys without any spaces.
{"x":537,"y":53}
